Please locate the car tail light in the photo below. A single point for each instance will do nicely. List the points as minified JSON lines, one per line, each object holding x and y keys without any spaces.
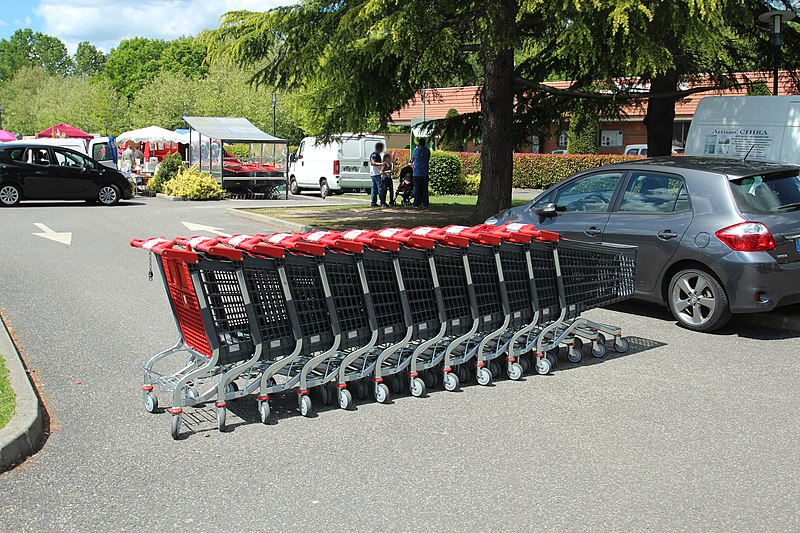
{"x":336,"y":167}
{"x":747,"y":237}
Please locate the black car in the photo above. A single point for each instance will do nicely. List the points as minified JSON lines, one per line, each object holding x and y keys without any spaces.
{"x":34,"y":171}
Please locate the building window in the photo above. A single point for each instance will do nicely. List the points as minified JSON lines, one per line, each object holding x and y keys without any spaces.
{"x":611,"y":138}
{"x":562,"y":139}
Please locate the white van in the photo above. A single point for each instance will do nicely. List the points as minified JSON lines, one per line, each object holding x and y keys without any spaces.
{"x":641,"y":149}
{"x":765,"y":128}
{"x":334,"y":167}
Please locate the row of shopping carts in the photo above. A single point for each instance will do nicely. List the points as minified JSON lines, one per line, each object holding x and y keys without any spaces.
{"x":373,"y":313}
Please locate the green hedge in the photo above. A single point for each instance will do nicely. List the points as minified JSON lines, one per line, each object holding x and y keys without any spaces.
{"x":445,"y":174}
{"x":531,"y":171}
{"x":167,"y":169}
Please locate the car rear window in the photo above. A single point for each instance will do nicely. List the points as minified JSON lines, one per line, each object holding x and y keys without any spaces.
{"x":768,"y":193}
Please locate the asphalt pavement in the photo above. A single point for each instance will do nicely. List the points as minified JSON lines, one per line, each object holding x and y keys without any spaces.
{"x":686,"y":431}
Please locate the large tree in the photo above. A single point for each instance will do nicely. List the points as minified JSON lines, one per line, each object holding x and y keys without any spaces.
{"x":88,"y":60}
{"x":26,"y":48}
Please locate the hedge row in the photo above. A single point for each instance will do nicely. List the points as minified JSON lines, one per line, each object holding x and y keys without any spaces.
{"x":531,"y":171}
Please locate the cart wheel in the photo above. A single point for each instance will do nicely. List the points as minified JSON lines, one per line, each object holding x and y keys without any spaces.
{"x":381,"y":393}
{"x":621,"y":345}
{"x":263,"y":410}
{"x":526,"y":364}
{"x":601,"y":338}
{"x":578,"y":342}
{"x":361,"y":389}
{"x":484,"y":375}
{"x":222,"y":413}
{"x":325,"y":392}
{"x":451,"y":381}
{"x":175,"y":426}
{"x":150,"y":402}
{"x":231,"y":387}
{"x":543,"y":366}
{"x":305,"y":405}
{"x":396,"y":384}
{"x":345,"y":399}
{"x":494,"y":368}
{"x":575,"y":355}
{"x":417,"y":387}
{"x":515,"y":371}
{"x":429,"y":377}
{"x":551,"y":358}
{"x":599,"y":350}
{"x":271,"y":382}
{"x":463,"y":373}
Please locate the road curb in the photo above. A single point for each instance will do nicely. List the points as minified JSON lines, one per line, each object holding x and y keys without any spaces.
{"x":170,"y":198}
{"x":255,"y":217}
{"x":772,"y":320}
{"x":23,"y":433}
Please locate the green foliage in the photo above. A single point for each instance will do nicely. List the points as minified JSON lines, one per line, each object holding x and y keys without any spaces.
{"x":163,"y":100}
{"x":472,"y":183}
{"x":453,"y":142}
{"x":539,"y":171}
{"x":133,"y":64}
{"x":26,"y":48}
{"x":88,"y":59}
{"x":192,"y":184}
{"x":7,"y":397}
{"x":445,"y":174}
{"x":758,"y":88}
{"x":186,"y":56}
{"x":239,"y":151}
{"x":167,"y":170}
{"x":583,"y":131}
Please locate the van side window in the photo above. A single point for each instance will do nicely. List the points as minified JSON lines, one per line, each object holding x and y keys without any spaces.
{"x":301,"y":149}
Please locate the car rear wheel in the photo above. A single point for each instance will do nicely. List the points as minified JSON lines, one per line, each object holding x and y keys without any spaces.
{"x":697,"y":300}
{"x":10,"y":195}
{"x":108,"y":195}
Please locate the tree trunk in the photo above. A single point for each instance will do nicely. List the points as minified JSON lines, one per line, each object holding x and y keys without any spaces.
{"x":660,"y":117}
{"x":497,"y":110}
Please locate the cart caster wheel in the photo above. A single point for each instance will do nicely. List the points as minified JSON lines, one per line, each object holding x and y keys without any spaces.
{"x":494,"y":368}
{"x":599,"y":350}
{"x":429,"y":377}
{"x":362,"y":389}
{"x":601,"y":338}
{"x":451,"y":381}
{"x":222,"y":414}
{"x":381,"y":393}
{"x":543,"y":366}
{"x":578,"y":343}
{"x":305,"y":405}
{"x":417,"y":387}
{"x":484,"y":376}
{"x":345,"y":399}
{"x":175,"y":426}
{"x":515,"y":371}
{"x":551,"y":358}
{"x":231,"y":387}
{"x":396,"y":384}
{"x":621,"y":345}
{"x":150,"y":402}
{"x":462,"y":372}
{"x":327,"y":396}
{"x":575,"y":355}
{"x":263,"y":410}
{"x":525,"y":364}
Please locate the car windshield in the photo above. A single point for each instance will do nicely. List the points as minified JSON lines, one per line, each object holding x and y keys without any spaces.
{"x":769,"y":193}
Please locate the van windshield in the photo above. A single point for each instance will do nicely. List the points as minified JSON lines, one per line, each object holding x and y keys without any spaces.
{"x":769,"y":193}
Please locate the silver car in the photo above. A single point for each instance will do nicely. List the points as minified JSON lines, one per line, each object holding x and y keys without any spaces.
{"x":715,"y":236}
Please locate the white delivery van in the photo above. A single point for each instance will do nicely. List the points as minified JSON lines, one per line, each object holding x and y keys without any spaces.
{"x":641,"y":149}
{"x":765,"y":128}
{"x":333,"y":167}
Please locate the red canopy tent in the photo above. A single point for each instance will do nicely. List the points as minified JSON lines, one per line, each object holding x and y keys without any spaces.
{"x":64,"y":130}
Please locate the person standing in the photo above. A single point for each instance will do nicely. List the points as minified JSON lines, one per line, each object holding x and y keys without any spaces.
{"x":419,"y":162}
{"x":375,"y":166}
{"x":386,"y":179}
{"x":127,"y":158}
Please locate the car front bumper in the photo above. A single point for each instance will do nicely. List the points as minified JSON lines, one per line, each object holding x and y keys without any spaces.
{"x":756,"y":282}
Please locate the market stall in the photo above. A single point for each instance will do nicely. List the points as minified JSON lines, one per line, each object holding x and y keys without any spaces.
{"x":64,"y":130}
{"x":242,"y":158}
{"x":154,"y":142}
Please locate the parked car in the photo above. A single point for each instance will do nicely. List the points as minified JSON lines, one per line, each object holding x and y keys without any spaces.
{"x":557,"y":152}
{"x":35,"y":171}
{"x":641,"y":149}
{"x":714,"y":236}
{"x":333,"y":167}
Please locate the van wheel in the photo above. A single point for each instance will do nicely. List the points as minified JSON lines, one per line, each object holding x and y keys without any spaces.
{"x":324,"y":190}
{"x":293,"y":188}
{"x":10,"y":194}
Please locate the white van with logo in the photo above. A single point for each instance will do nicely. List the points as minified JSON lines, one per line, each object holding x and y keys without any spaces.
{"x":333,"y":167}
{"x":762,"y":128}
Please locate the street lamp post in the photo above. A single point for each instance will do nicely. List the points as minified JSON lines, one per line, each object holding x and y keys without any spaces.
{"x":776,"y":18}
{"x":274,"y":123}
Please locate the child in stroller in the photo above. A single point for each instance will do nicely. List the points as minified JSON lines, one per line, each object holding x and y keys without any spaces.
{"x":406,"y":188}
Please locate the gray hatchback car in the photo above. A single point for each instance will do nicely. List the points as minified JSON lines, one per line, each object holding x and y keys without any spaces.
{"x":715,"y":236}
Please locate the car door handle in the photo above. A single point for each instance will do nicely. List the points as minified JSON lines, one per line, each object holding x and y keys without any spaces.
{"x":592,"y":231}
{"x":667,"y":234}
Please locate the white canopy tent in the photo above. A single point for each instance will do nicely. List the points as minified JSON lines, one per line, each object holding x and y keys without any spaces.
{"x":151,"y":134}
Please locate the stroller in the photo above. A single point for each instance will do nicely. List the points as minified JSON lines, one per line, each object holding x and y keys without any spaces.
{"x":406,"y":188}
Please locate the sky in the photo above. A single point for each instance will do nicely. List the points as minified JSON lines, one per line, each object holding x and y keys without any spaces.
{"x":105,"y":23}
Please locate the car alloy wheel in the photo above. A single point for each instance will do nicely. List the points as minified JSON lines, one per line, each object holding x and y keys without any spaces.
{"x":9,"y":195}
{"x":108,"y":195}
{"x":698,"y":301}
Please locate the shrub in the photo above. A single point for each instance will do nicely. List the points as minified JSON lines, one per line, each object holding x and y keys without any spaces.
{"x":167,"y":170}
{"x":539,"y":171}
{"x":192,"y":184}
{"x":239,"y":151}
{"x":583,"y":131}
{"x":445,"y":174}
{"x":472,"y":183}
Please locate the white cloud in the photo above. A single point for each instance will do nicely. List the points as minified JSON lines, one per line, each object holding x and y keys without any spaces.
{"x":3,"y":23}
{"x":106,"y":22}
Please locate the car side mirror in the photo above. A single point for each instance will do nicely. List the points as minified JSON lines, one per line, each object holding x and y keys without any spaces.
{"x":292,"y":158}
{"x":546,"y":210}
